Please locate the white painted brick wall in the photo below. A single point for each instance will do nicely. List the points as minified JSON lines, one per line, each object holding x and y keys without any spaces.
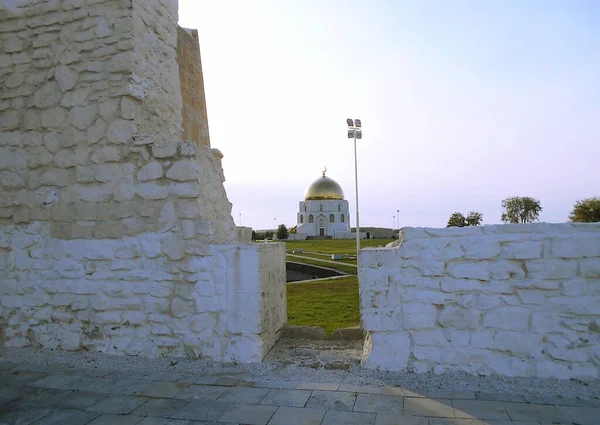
{"x":514,"y":300}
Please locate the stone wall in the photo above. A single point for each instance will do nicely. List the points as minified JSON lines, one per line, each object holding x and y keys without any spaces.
{"x":195,"y":119}
{"x":115,"y":235}
{"x":514,"y":300}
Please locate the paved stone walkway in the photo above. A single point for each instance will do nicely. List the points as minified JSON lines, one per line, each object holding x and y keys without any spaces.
{"x":59,"y":394}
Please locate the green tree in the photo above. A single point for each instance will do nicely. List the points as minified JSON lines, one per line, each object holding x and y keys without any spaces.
{"x":253,"y":235}
{"x":586,"y":211}
{"x":457,"y":220}
{"x":268,"y":234}
{"x":474,"y":218}
{"x":519,"y":209}
{"x":282,"y":232}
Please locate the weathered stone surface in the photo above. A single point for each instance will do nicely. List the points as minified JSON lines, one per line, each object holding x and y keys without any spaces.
{"x":183,"y":170}
{"x":151,"y":171}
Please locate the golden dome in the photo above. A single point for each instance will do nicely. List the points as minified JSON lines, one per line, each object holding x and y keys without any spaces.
{"x":323,"y":188}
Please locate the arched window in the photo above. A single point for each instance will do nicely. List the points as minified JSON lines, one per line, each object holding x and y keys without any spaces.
{"x":301,"y":218}
{"x":310,"y":218}
{"x":339,"y":207}
{"x":305,"y":208}
{"x":320,"y":207}
{"x":331,"y":218}
{"x":342,"y":218}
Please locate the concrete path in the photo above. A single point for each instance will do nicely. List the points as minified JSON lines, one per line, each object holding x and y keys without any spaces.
{"x":337,"y":263}
{"x":51,"y":393}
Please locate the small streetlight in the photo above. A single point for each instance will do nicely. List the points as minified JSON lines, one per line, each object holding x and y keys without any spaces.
{"x":240,"y":219}
{"x":393,"y":222}
{"x":355,"y":132}
{"x":398,"y":218}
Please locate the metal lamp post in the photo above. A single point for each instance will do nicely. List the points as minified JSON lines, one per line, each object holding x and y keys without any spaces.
{"x":355,"y":132}
{"x":240,"y":219}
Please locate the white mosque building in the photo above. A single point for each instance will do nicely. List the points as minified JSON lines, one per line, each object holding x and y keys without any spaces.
{"x":324,"y":212}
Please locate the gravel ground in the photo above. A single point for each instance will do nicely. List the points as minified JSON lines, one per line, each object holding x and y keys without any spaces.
{"x":281,"y":367}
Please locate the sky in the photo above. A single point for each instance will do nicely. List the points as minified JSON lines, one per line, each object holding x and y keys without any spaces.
{"x":463,"y":104}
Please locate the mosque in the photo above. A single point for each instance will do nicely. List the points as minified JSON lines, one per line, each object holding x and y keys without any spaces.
{"x":324,"y":213}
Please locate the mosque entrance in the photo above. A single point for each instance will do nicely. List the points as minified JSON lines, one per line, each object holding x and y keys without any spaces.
{"x":321,"y":227}
{"x":321,"y":231}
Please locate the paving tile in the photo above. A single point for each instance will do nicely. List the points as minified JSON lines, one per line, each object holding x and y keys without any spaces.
{"x":55,"y":381}
{"x":163,"y":421}
{"x":220,"y":381}
{"x":36,"y":396}
{"x":8,"y":393}
{"x":332,"y":400}
{"x":201,"y":392}
{"x":515,"y":398}
{"x":202,"y":410}
{"x":532,"y":412}
{"x":125,"y":386}
{"x":373,"y":403}
{"x":428,"y":407}
{"x":251,"y":415}
{"x":93,"y":372}
{"x":394,"y":419}
{"x":67,"y":416}
{"x":22,"y":377}
{"x":333,"y":417}
{"x":276,"y":384}
{"x":497,"y":422}
{"x":162,"y":407}
{"x":318,"y":386}
{"x":109,"y":419}
{"x":533,"y":399}
{"x":86,"y":383}
{"x":579,"y":402}
{"x":404,"y":392}
{"x":580,"y":415}
{"x":457,"y":395}
{"x":289,"y":398}
{"x":456,"y":421}
{"x":20,"y":414}
{"x":243,"y":395}
{"x":6,"y":365}
{"x":297,"y":416}
{"x":78,"y":399}
{"x":360,"y":389}
{"x":479,"y":409}
{"x":121,"y":404}
{"x":165,"y":377}
{"x":162,"y":389}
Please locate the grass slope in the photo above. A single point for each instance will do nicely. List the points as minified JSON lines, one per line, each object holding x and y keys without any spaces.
{"x":315,"y":261}
{"x":331,"y":304}
{"x":335,"y":246}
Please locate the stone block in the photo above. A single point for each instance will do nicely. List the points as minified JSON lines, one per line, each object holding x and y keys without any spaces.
{"x":187,"y":148}
{"x":184,"y":170}
{"x":589,"y":267}
{"x":418,"y":316}
{"x":164,"y":150}
{"x":551,"y":269}
{"x":387,"y":351}
{"x":151,"y":171}
{"x":381,"y":319}
{"x":83,"y":116}
{"x":184,"y":190}
{"x":120,"y":131}
{"x":458,"y":318}
{"x":508,"y":318}
{"x":521,"y":250}
{"x":479,"y":271}
{"x":577,"y":246}
{"x":455,"y":285}
{"x":478,"y":248}
{"x":151,"y":191}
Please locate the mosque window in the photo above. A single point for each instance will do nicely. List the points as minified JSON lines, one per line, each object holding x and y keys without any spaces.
{"x":331,"y":218}
{"x":339,"y":207}
{"x":320,"y":207}
{"x":301,"y":218}
{"x":305,"y":208}
{"x":311,"y":218}
{"x":342,"y":218}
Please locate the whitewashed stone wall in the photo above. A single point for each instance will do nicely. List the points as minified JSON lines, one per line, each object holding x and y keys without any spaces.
{"x":513,"y":300}
{"x":116,"y":236}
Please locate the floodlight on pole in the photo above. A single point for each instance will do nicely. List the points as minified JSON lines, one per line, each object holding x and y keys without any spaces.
{"x":355,"y":132}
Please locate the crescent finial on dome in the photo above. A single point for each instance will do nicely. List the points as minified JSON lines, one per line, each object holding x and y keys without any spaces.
{"x":324,"y":171}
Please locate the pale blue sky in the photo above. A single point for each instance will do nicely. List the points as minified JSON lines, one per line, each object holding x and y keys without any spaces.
{"x":463,"y":103}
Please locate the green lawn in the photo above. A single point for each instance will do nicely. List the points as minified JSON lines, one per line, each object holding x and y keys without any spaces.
{"x":330,"y":304}
{"x":336,"y":246}
{"x":310,"y":260}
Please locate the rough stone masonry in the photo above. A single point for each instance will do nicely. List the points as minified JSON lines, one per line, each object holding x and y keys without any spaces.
{"x":115,"y":234}
{"x":513,"y":300}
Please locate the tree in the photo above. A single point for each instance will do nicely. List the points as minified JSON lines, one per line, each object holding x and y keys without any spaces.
{"x":268,"y":234}
{"x":459,"y":220}
{"x":282,"y":232}
{"x":474,"y":218}
{"x":253,"y":235}
{"x":520,"y":209}
{"x":586,"y":211}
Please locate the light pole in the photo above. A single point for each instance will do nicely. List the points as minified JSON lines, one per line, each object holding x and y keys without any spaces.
{"x":393,"y":222}
{"x":398,"y":218}
{"x":355,"y":132}
{"x":240,"y":219}
{"x":274,"y":224}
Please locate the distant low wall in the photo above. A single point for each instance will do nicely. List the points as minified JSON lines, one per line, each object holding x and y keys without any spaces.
{"x":300,"y":271}
{"x":513,"y":300}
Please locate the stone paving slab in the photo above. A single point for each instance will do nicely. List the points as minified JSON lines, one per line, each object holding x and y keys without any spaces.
{"x":360,"y":389}
{"x":479,"y":409}
{"x":373,"y":403}
{"x":394,"y":419}
{"x":162,"y":389}
{"x":110,"y":419}
{"x":161,"y":407}
{"x":297,"y":416}
{"x":332,"y":400}
{"x":247,"y":414}
{"x":202,"y":410}
{"x":332,"y":386}
{"x":201,"y":392}
{"x":288,"y":398}
{"x":121,"y":404}
{"x":67,"y":416}
{"x":21,"y":414}
{"x":55,"y":381}
{"x":243,"y":395}
{"x":441,"y":408}
{"x":532,"y":412}
{"x":334,"y":417}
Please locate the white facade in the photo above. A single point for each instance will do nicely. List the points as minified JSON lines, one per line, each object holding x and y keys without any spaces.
{"x":324,"y":217}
